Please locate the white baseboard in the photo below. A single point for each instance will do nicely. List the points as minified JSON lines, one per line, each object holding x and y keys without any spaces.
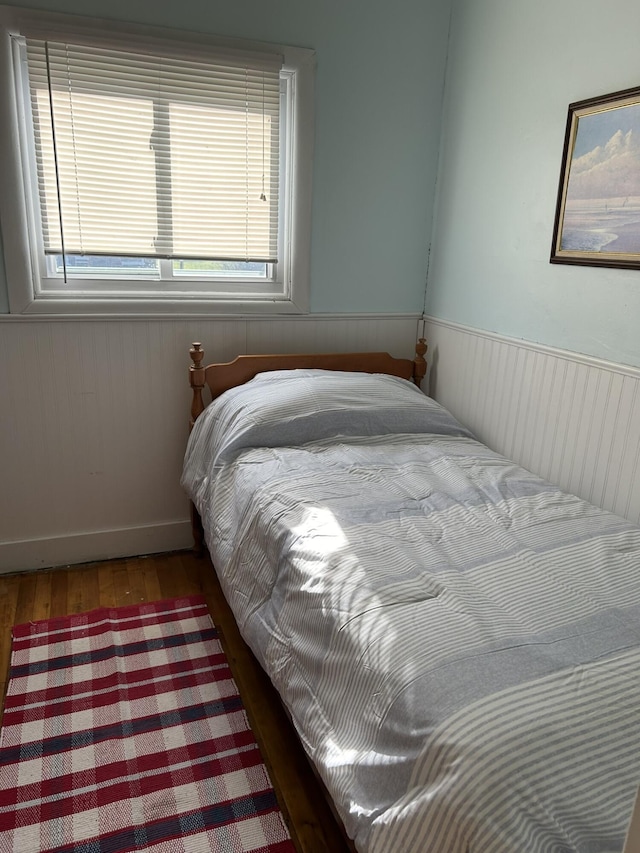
{"x":33,"y":554}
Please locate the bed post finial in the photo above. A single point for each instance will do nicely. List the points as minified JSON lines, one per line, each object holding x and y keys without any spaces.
{"x":419,"y":362}
{"x":196,"y":380}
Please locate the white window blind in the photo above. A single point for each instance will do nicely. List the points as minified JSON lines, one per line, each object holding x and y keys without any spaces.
{"x":156,"y":156}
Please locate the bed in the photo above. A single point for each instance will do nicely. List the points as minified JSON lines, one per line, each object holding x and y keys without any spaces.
{"x":456,"y":641}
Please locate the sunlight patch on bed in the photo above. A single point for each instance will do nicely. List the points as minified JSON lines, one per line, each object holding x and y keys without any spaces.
{"x":320,"y":536}
{"x":336,"y":756}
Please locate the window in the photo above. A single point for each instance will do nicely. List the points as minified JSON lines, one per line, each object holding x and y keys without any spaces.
{"x":147,"y":173}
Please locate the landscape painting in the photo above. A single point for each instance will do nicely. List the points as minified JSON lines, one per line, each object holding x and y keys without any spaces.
{"x":598,"y":209}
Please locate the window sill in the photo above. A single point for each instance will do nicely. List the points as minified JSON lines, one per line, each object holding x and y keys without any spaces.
{"x":154,"y":307}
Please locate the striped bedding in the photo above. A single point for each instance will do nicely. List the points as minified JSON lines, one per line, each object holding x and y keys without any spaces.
{"x":458,"y":641}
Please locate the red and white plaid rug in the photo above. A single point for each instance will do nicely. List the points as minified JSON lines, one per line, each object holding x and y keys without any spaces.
{"x":123,"y":731}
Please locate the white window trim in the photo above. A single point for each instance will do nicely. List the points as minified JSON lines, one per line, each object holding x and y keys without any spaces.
{"x":20,"y":256}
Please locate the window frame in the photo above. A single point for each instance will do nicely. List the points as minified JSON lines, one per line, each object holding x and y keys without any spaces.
{"x":24,"y":258}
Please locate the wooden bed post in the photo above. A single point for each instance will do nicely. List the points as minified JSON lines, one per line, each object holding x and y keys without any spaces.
{"x":197,"y":382}
{"x":419,"y":362}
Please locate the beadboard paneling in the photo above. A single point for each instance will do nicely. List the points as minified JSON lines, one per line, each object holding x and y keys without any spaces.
{"x":572,"y":419}
{"x":94,"y":420}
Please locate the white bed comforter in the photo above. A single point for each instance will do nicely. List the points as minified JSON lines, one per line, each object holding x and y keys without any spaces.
{"x":458,"y":642}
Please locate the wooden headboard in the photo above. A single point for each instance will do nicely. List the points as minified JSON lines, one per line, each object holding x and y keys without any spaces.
{"x":221,"y":377}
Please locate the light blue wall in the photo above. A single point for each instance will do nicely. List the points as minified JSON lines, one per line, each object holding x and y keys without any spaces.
{"x":380,"y":71}
{"x":514,"y":66}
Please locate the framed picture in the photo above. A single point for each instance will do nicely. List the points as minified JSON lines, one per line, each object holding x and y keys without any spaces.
{"x":598,"y":210}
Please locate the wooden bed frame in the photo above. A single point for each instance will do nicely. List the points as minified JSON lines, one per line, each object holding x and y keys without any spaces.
{"x":221,"y":377}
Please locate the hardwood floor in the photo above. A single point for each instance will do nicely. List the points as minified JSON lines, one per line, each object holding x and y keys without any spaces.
{"x":59,"y":592}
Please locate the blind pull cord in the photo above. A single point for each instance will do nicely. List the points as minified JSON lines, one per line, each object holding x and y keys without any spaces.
{"x":55,"y":159}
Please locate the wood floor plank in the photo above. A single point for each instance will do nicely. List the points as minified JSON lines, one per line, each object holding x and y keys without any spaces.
{"x":25,"y":606}
{"x":191,"y":569}
{"x":89,"y":589}
{"x":42,"y":603}
{"x":135,"y":580}
{"x":170,"y":577}
{"x":106,"y":585}
{"x":152,"y":589}
{"x":75,"y":601}
{"x":59,"y":590}
{"x":8,"y":604}
{"x":82,"y":589}
{"x":121,"y":591}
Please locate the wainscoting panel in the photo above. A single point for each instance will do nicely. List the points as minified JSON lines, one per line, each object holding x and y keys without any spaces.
{"x":94,"y":421}
{"x":572,"y":419}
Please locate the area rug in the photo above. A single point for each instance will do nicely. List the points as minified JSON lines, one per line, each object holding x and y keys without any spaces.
{"x":123,"y":731}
